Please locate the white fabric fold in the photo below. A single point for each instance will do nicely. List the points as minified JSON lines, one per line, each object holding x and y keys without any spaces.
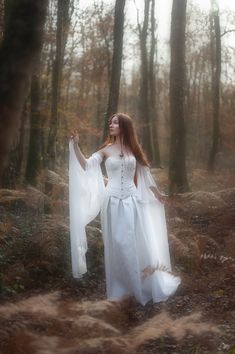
{"x":86,"y":194}
{"x":145,"y":180}
{"x":153,"y":220}
{"x":153,"y":215}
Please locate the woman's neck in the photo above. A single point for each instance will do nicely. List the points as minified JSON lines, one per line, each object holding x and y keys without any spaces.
{"x":118,"y":141}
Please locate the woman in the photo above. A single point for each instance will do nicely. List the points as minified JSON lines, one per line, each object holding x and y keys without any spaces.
{"x":137,"y":260}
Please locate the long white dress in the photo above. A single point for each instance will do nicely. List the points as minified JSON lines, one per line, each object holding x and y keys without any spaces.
{"x":137,"y":260}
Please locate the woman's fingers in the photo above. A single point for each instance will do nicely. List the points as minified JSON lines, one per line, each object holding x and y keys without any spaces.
{"x":163,"y":198}
{"x":74,"y":135}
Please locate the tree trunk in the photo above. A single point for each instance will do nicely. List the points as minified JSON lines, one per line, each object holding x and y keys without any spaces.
{"x":14,"y":171}
{"x":152,"y":93}
{"x":216,"y":73}
{"x":62,"y":16}
{"x":35,"y":150}
{"x":19,"y":51}
{"x":116,"y":62}
{"x":2,"y":11}
{"x":177,"y":168}
{"x":143,"y":106}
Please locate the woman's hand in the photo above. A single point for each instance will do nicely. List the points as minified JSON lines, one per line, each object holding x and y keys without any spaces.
{"x":163,"y":198}
{"x":74,"y":136}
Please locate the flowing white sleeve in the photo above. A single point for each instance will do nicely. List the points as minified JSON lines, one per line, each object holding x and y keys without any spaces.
{"x":153,"y":217}
{"x":154,"y":223}
{"x":145,"y":180}
{"x":86,"y":194}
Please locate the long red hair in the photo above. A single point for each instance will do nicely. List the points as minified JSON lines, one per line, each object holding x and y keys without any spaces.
{"x":128,"y":137}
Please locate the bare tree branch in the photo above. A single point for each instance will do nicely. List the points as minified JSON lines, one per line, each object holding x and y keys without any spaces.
{"x":227,"y":31}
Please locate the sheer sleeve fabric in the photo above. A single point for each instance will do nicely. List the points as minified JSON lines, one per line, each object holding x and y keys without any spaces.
{"x":145,"y":180}
{"x":86,"y":194}
{"x":154,"y":219}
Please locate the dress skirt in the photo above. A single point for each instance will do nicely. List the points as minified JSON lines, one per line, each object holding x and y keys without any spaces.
{"x":128,"y":257}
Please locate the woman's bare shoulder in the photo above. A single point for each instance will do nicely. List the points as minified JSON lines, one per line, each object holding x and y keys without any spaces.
{"x":105,"y":150}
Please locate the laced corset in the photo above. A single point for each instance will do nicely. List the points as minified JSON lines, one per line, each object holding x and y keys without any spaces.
{"x":121,"y":172}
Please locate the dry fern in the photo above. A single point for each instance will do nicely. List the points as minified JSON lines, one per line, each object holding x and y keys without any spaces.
{"x":217,"y":257}
{"x":149,"y":270}
{"x":49,"y":237}
{"x":179,"y":248}
{"x":162,"y":324}
{"x":56,"y":179}
{"x":6,"y":229}
{"x":44,"y":304}
{"x":46,"y":324}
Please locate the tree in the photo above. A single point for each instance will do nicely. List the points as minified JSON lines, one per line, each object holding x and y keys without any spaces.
{"x":116,"y":61}
{"x":152,"y":93}
{"x":147,"y":110}
{"x":34,"y":151}
{"x":177,"y":167}
{"x":61,"y":37}
{"x":20,"y":48}
{"x":198,"y":95}
{"x":1,"y":18}
{"x":216,"y":73}
{"x":143,"y":106}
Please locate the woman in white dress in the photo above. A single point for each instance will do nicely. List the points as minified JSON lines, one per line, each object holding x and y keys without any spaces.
{"x":137,"y":260}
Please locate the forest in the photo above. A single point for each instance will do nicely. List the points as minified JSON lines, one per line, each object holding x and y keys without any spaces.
{"x":71,"y":64}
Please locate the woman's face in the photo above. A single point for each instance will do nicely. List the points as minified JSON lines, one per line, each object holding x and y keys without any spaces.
{"x":114,"y":129}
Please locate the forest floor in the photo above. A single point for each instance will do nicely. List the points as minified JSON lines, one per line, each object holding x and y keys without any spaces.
{"x":44,"y":310}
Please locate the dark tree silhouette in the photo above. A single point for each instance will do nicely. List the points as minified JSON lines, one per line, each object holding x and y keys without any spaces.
{"x":116,"y":62}
{"x":61,"y":37}
{"x":143,"y":104}
{"x":20,"y":48}
{"x":1,"y":18}
{"x":147,"y":110}
{"x":177,"y":168}
{"x":35,"y":150}
{"x":153,"y":112}
{"x":216,"y":73}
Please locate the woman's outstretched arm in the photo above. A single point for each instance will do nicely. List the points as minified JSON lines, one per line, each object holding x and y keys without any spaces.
{"x":77,"y":150}
{"x":79,"y":155}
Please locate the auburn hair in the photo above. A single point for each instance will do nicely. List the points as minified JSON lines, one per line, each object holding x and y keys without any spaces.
{"x":128,"y":137}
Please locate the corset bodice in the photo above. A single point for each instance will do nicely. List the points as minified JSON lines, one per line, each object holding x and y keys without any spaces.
{"x":121,"y":172}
